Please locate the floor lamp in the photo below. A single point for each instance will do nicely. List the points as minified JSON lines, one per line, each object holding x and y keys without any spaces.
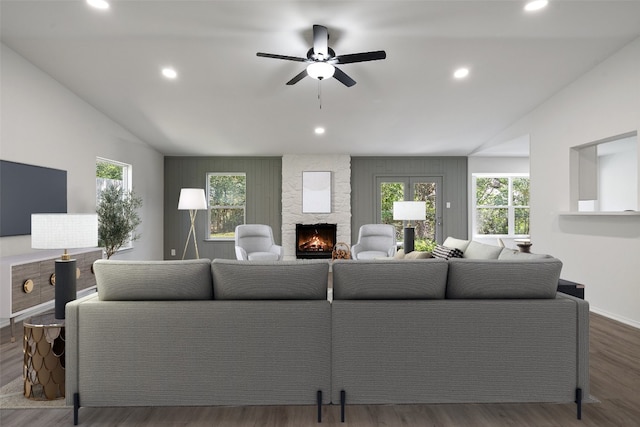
{"x":64,"y":231}
{"x":192,"y":199}
{"x":409,"y":211}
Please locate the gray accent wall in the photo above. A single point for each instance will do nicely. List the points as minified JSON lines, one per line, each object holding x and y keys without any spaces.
{"x":452,"y":170}
{"x":264,"y":200}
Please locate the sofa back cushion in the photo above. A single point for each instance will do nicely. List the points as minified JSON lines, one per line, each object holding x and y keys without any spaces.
{"x":397,"y":279}
{"x":495,"y":279}
{"x":477,"y":250}
{"x":270,"y":280}
{"x":153,"y":280}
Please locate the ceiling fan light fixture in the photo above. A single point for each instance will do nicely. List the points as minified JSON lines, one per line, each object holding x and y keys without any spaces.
{"x":320,"y":70}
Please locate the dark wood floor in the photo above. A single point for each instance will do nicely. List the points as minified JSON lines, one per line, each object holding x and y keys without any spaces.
{"x":615,"y":381}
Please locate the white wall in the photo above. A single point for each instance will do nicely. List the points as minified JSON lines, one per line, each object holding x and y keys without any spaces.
{"x":618,"y":177}
{"x":292,"y":168}
{"x":42,"y":123}
{"x":601,"y":252}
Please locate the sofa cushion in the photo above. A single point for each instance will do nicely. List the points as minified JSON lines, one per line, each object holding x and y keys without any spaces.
{"x":401,"y":279}
{"x":452,"y":242}
{"x":444,"y":252}
{"x":494,"y":279}
{"x":153,"y":280}
{"x":270,"y":280}
{"x":513,"y":254}
{"x":477,"y":250}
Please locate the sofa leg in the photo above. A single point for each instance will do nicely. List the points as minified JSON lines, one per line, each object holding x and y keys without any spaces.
{"x":76,"y":407}
{"x":579,"y":402}
{"x":343,"y":400}
{"x":319,"y":402}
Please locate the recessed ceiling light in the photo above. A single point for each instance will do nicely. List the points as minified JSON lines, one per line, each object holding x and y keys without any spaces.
{"x":169,"y":73}
{"x":319,"y":130}
{"x":98,"y":4}
{"x":535,"y":5}
{"x":461,"y":73}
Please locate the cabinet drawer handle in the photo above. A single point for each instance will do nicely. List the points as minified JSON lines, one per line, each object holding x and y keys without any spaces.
{"x":27,"y":286}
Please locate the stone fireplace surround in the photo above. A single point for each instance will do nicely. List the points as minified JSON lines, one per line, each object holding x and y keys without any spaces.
{"x":292,"y":167}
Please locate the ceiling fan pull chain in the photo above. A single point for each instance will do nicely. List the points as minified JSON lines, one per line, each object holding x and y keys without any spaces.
{"x":320,"y":94}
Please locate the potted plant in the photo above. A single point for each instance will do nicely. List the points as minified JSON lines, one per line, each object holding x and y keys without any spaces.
{"x":117,"y":218}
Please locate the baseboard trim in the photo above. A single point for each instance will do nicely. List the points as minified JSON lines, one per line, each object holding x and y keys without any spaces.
{"x":621,"y":319}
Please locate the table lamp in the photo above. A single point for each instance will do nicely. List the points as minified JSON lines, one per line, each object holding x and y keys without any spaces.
{"x":192,"y":199}
{"x":64,"y":231}
{"x":409,"y":211}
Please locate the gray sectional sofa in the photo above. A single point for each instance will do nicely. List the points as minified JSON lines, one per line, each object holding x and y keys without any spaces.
{"x":227,"y":332}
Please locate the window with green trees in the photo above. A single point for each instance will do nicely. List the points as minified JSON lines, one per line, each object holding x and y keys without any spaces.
{"x":416,"y":189}
{"x":110,"y":172}
{"x":227,"y":200}
{"x":501,"y":205}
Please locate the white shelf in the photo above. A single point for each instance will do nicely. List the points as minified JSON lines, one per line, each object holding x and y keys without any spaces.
{"x":580,"y":213}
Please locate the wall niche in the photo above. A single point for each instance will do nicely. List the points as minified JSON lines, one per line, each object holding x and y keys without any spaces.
{"x":604,"y":176}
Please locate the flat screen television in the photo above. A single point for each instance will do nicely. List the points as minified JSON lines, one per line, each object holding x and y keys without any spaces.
{"x":27,"y":189}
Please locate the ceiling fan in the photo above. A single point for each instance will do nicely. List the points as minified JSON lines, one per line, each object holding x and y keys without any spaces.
{"x":321,"y":59}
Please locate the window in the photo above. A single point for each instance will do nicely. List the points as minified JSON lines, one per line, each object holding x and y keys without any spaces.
{"x":394,"y":189}
{"x":227,"y":195}
{"x":111,"y":172}
{"x":501,"y":205}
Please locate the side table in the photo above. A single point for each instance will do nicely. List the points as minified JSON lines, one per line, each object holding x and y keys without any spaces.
{"x":571,"y":288}
{"x":43,"y":347}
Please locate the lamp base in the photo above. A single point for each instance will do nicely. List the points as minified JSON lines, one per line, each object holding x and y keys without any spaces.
{"x":65,"y":285}
{"x":409,"y":235}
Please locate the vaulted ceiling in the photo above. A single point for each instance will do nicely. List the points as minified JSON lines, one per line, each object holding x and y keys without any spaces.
{"x":228,"y":101}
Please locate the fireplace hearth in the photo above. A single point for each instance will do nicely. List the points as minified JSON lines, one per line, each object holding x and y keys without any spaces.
{"x":315,"y":240}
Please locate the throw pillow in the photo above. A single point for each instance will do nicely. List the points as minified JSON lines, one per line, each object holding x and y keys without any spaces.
{"x":444,"y":252}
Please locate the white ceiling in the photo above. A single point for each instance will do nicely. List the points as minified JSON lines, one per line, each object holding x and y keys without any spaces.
{"x":228,"y":101}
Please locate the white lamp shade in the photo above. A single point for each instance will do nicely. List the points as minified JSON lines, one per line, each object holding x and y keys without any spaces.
{"x":64,"y":231}
{"x":320,"y":70}
{"x":192,"y":199}
{"x":409,"y":211}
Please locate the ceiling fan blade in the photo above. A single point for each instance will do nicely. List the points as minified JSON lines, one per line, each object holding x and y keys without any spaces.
{"x":288,"y":58}
{"x":320,"y":41}
{"x":360,"y":57}
{"x":342,"y":77}
{"x":298,"y":77}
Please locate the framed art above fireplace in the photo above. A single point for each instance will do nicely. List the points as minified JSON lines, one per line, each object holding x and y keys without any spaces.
{"x":316,"y":192}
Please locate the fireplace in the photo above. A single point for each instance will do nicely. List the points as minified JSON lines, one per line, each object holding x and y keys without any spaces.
{"x":315,"y":240}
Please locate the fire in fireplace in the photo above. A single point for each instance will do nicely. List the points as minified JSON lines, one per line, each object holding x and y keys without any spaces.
{"x":315,"y":240}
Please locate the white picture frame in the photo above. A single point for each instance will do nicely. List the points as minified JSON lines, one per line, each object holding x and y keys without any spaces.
{"x":316,"y":192}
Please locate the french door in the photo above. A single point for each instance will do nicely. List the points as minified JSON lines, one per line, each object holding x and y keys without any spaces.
{"x":412,"y":188}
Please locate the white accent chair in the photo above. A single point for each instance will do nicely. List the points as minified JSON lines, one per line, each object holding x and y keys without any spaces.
{"x":375,"y":241}
{"x":254,"y":242}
